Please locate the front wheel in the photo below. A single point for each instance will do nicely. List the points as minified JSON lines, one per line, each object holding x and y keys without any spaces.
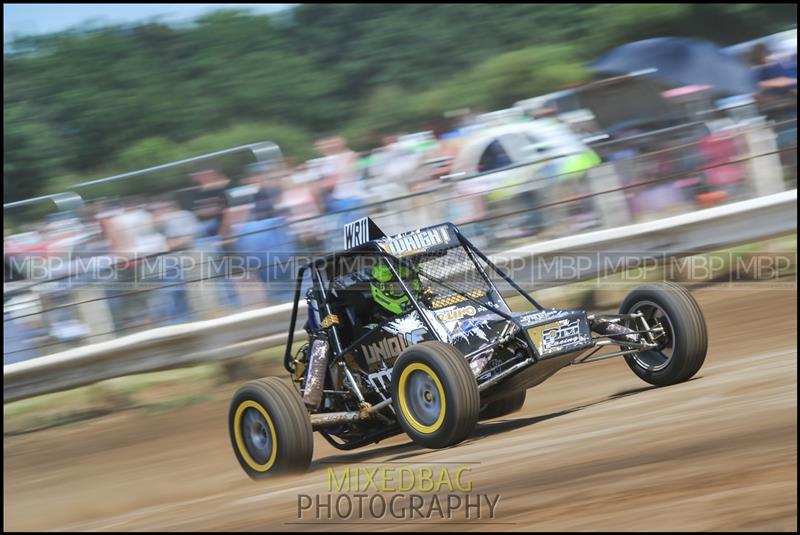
{"x":435,"y":394}
{"x":270,"y":429}
{"x":682,"y":341}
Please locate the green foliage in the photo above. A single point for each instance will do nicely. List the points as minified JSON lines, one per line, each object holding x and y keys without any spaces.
{"x":388,"y":109}
{"x":154,"y":151}
{"x":294,"y":142}
{"x":150,"y":152}
{"x":500,"y":81}
{"x":97,"y":101}
{"x":631,"y":22}
{"x":32,"y":153}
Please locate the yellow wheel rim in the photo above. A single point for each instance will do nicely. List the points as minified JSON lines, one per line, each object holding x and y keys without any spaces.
{"x":240,"y":443}
{"x":406,"y":404}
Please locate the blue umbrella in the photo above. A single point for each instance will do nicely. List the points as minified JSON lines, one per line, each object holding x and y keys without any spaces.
{"x":680,"y":62}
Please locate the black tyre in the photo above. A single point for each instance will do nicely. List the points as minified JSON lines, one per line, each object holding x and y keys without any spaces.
{"x":435,"y":394}
{"x":503,"y":406}
{"x":270,"y":429}
{"x":682,"y":346}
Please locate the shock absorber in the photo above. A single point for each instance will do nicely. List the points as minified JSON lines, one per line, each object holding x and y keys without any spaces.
{"x":312,"y":323}
{"x":615,"y":331}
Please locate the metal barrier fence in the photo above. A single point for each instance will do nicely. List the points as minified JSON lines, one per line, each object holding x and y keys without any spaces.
{"x":497,"y":210}
{"x":662,"y":242}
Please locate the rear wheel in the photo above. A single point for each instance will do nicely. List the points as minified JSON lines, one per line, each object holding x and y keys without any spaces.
{"x":683,"y":343}
{"x":270,"y":429}
{"x":435,"y":394}
{"x":503,"y":406}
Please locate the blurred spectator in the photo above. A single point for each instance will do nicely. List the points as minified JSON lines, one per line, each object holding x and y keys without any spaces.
{"x":209,"y":199}
{"x":341,"y":190}
{"x":11,"y":271}
{"x":774,"y":79}
{"x":395,"y":162}
{"x":302,"y":201}
{"x":131,"y":235}
{"x":777,"y":100}
{"x":211,"y":206}
{"x":388,"y":172}
{"x":266,"y":180}
{"x":266,"y":239}
{"x":179,"y":227}
{"x":339,"y":179}
{"x":20,"y":335}
{"x":717,"y":150}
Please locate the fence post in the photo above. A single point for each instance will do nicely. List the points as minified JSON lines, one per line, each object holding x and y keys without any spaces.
{"x":765,"y":172}
{"x":202,"y":293}
{"x":612,"y":207}
{"x":95,"y":314}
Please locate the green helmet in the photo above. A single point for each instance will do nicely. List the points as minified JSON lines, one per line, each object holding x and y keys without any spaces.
{"x":387,"y":292}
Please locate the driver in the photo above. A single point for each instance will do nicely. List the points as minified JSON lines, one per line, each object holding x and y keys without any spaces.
{"x":387,"y":292}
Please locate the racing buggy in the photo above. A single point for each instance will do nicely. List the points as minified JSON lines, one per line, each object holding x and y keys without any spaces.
{"x":410,"y":333}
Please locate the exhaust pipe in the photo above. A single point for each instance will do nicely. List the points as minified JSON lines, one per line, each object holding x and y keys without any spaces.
{"x":332,"y":419}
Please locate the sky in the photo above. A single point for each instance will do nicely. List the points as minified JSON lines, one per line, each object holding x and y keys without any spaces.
{"x":45,"y":18}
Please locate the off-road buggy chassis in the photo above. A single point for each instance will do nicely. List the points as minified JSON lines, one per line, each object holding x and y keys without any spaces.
{"x":456,"y":355}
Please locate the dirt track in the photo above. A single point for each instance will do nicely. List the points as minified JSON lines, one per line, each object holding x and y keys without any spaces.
{"x":594,"y":448}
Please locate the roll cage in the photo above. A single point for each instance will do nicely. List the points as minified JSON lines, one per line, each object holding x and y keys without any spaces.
{"x":328,"y":265}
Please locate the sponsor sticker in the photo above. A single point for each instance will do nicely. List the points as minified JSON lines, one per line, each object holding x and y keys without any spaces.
{"x":417,"y":242}
{"x":553,"y":337}
{"x":384,"y":350}
{"x":454,"y":314}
